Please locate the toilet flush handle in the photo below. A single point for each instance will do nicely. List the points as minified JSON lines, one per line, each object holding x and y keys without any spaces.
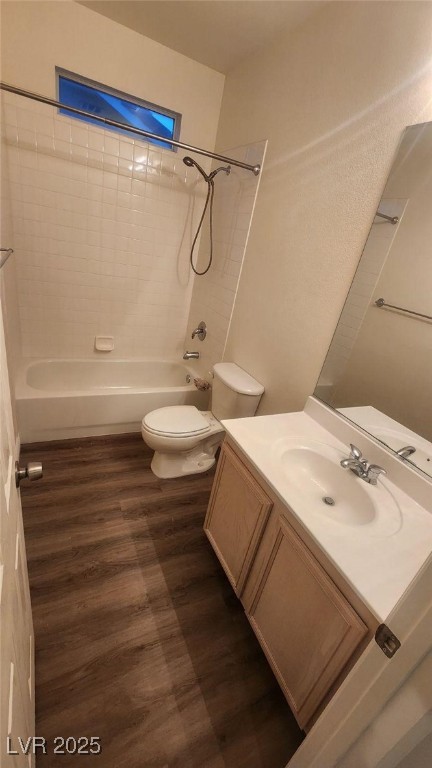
{"x":33,"y":471}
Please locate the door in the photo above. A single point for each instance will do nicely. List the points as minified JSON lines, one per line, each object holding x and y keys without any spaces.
{"x":16,"y":625}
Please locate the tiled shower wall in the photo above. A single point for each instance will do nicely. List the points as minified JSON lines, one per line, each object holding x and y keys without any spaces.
{"x":102,"y":231}
{"x":214,"y":294}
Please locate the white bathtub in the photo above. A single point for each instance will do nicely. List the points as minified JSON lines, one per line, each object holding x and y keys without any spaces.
{"x":58,"y":399}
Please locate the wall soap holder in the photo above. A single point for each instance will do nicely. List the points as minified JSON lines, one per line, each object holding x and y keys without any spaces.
{"x":104,"y":343}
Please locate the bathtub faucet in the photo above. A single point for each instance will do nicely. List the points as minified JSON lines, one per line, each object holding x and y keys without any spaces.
{"x":191,"y":356}
{"x":200,"y":331}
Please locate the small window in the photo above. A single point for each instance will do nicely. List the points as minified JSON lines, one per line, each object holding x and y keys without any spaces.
{"x":100,"y":100}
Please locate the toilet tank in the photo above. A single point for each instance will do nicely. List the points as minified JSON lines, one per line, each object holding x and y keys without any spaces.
{"x":235,"y":393}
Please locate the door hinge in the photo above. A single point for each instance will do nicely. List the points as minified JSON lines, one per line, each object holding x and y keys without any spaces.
{"x":387,"y":641}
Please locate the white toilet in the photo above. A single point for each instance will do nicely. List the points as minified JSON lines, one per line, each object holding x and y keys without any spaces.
{"x":185,"y":439}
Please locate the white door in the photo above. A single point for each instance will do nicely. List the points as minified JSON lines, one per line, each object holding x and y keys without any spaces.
{"x":16,"y":625}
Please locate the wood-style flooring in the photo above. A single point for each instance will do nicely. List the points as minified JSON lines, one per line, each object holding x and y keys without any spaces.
{"x":139,"y":638}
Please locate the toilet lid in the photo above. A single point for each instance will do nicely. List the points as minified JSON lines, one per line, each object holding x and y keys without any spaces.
{"x":176,"y":420}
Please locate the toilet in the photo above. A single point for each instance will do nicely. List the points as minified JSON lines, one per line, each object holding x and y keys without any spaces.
{"x":185,"y":439}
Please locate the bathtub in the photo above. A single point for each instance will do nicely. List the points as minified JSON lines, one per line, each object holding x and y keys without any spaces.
{"x":59,"y":399}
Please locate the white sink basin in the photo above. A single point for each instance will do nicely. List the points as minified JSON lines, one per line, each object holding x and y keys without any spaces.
{"x":376,"y":536}
{"x":314,"y":474}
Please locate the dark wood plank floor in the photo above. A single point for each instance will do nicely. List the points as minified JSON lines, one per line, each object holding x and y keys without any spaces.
{"x":139,"y":637}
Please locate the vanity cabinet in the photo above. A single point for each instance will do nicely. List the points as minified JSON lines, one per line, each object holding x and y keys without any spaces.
{"x":237,"y":514}
{"x":306,"y":627}
{"x":305,"y":622}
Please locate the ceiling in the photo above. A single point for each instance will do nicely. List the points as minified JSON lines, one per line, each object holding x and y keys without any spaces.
{"x":218,"y":33}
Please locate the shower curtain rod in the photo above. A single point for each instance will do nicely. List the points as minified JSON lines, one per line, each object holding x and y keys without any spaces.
{"x":146,"y":134}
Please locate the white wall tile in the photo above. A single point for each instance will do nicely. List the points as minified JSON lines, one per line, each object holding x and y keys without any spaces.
{"x":98,"y":226}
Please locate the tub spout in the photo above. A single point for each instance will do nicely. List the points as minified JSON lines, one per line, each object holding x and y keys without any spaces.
{"x":191,"y":356}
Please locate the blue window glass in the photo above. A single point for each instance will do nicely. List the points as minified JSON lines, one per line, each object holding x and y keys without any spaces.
{"x":106,"y":102}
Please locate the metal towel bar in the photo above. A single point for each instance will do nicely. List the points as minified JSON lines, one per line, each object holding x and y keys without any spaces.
{"x":382,"y":303}
{"x":391,"y":219}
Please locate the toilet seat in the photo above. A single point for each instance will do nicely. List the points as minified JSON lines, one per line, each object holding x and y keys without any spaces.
{"x":177,"y":421}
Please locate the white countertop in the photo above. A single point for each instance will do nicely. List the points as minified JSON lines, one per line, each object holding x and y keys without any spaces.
{"x":378,"y":563}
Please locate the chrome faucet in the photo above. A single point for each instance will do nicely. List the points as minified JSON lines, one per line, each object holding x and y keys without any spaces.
{"x":355,"y":462}
{"x":406,"y":451}
{"x":191,"y":356}
{"x":373,"y":472}
{"x":360,"y":466}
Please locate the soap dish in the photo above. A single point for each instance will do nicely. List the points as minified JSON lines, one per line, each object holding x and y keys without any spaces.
{"x":104,"y":343}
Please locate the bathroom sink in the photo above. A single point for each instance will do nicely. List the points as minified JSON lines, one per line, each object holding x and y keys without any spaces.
{"x":323,"y":487}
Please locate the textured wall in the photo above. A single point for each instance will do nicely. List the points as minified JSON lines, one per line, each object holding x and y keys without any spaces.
{"x":390,"y":366}
{"x":362,"y":293}
{"x":401,"y":733}
{"x":333,"y":100}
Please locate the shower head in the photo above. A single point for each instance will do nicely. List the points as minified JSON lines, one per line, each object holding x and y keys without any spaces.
{"x":208,"y":178}
{"x":189,"y":161}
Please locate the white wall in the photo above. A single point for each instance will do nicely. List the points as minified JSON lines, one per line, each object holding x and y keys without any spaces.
{"x":102,"y":226}
{"x":404,"y":723}
{"x":362,"y":292}
{"x":37,"y":36}
{"x":420,"y":757}
{"x":333,"y":99}
{"x":391,"y":362}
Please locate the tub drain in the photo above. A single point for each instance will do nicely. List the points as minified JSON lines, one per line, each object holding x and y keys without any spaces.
{"x":328,"y":500}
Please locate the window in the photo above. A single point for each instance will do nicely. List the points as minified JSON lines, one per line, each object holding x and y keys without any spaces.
{"x":100,"y":100}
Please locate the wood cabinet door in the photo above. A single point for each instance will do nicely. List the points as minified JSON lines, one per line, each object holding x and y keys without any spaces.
{"x":236,"y":517}
{"x":305,"y":625}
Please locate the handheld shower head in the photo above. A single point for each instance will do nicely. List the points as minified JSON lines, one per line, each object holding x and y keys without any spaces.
{"x":190,"y":162}
{"x":208,"y":178}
